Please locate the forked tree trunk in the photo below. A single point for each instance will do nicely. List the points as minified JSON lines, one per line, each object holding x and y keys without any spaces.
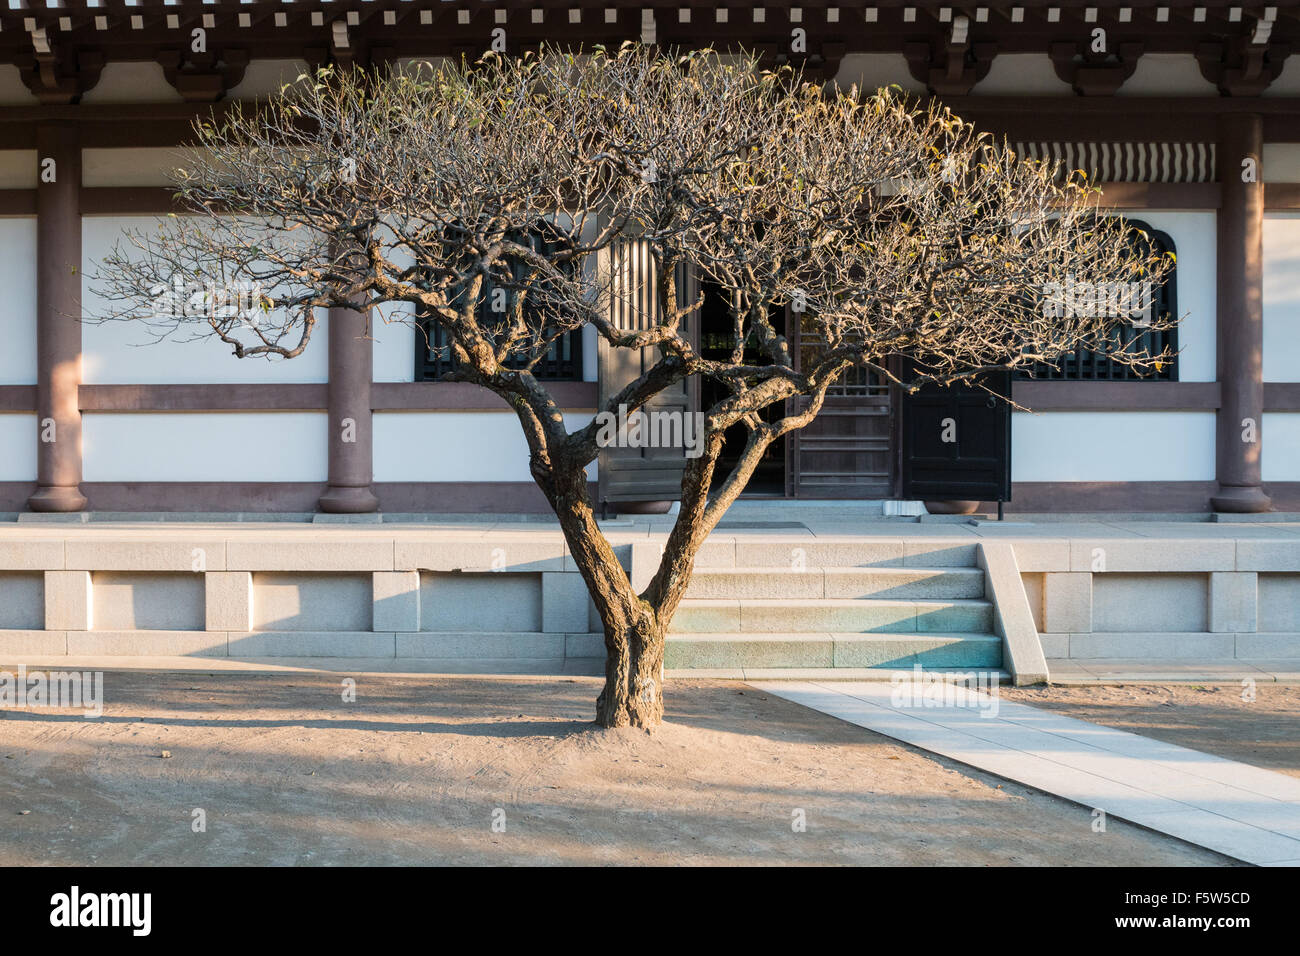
{"x":634,"y":628}
{"x":634,"y":638}
{"x":634,"y":673}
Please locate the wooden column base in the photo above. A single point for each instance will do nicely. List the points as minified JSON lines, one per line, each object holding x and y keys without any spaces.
{"x":1241,"y":499}
{"x":57,"y":498}
{"x":348,"y":500}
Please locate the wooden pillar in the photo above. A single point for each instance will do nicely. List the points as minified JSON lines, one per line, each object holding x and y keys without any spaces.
{"x":1240,"y":314}
{"x":58,"y":329}
{"x":351,"y":438}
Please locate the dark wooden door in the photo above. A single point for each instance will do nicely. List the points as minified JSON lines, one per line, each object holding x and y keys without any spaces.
{"x":957,"y":441}
{"x":847,"y":450}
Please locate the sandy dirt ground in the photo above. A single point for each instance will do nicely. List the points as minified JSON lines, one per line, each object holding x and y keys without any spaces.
{"x":1216,"y":718}
{"x":417,"y":770}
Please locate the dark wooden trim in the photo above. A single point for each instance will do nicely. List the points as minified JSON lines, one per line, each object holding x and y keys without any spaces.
{"x":1284,"y":494}
{"x":1117,"y":396}
{"x":58,"y":335}
{"x":463,"y":396}
{"x":1108,"y":496}
{"x":1282,"y":396}
{"x":1036,"y":118}
{"x":202,"y":398}
{"x":17,"y":398}
{"x":17,"y":202}
{"x":1159,"y":195}
{"x":1281,"y":196}
{"x":453,"y":497}
{"x":181,"y":496}
{"x":1173,"y":497}
{"x":14,"y":494}
{"x":386,"y":397}
{"x":1239,"y":311}
{"x":128,"y":200}
{"x":1183,"y":119}
{"x":350,"y":432}
{"x":464,"y":497}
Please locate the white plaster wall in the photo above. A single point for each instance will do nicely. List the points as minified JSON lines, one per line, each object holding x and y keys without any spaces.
{"x":393,"y":329}
{"x":18,"y":314}
{"x":125,"y":352}
{"x":1022,"y":74}
{"x":264,"y":77}
{"x":140,"y":81}
{"x":1280,"y":446}
{"x":18,"y":169}
{"x":869,"y":71}
{"x":204,"y":446}
{"x":1282,"y":297}
{"x":1288,"y":83}
{"x":455,"y":446}
{"x":13,"y":91}
{"x":1167,"y":74}
{"x":590,"y":345}
{"x":1194,"y":238}
{"x":1280,"y":163}
{"x":18,"y":440}
{"x":1112,"y":446}
{"x":142,"y":166}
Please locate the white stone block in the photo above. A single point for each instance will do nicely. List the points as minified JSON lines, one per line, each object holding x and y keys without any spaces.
{"x":1234,"y":601}
{"x":564,"y":602}
{"x":1067,"y":602}
{"x":397,"y":600}
{"x":69,"y":601}
{"x":229,"y":601}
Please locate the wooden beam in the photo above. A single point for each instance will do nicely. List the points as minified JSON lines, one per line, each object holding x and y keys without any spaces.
{"x":1159,"y":195}
{"x":1116,"y":396}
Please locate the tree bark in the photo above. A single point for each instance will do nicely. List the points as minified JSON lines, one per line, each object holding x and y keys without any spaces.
{"x":633,"y":695}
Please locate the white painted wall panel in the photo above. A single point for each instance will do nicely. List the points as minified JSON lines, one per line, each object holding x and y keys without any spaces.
{"x":18,"y":168}
{"x":394,"y":345}
{"x":869,"y":71}
{"x":125,"y":353}
{"x":134,"y":166}
{"x":455,"y":446}
{"x":18,"y":313}
{"x":590,"y":354}
{"x":1112,"y":446}
{"x":263,"y":77}
{"x":17,"y":447}
{"x":1022,"y":74}
{"x":1280,"y":452}
{"x":1288,"y":83}
{"x":1167,"y":74}
{"x":1195,"y":239}
{"x":1280,"y":163}
{"x":13,"y":91}
{"x":205,"y":446}
{"x":1282,"y":297}
{"x":138,"y":81}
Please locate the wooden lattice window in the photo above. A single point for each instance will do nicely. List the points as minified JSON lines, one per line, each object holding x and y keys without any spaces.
{"x":1099,"y":365}
{"x":433,"y":354}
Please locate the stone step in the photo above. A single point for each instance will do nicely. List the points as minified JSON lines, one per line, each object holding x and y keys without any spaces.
{"x":859,"y":553}
{"x":831,"y":615}
{"x":810,"y":650}
{"x":850,"y":583}
{"x":994,"y":675}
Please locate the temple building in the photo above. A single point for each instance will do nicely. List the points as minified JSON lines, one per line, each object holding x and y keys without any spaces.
{"x":1186,"y":114}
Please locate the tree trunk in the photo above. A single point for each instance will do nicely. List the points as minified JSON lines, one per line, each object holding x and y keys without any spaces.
{"x":634,"y":674}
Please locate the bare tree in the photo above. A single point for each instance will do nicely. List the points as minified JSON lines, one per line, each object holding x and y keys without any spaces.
{"x":885,"y":229}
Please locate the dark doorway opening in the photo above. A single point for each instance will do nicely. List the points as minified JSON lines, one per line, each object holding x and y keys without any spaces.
{"x":717,"y":340}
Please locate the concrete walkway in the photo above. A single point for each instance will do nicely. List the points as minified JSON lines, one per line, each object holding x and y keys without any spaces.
{"x":1229,"y":807}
